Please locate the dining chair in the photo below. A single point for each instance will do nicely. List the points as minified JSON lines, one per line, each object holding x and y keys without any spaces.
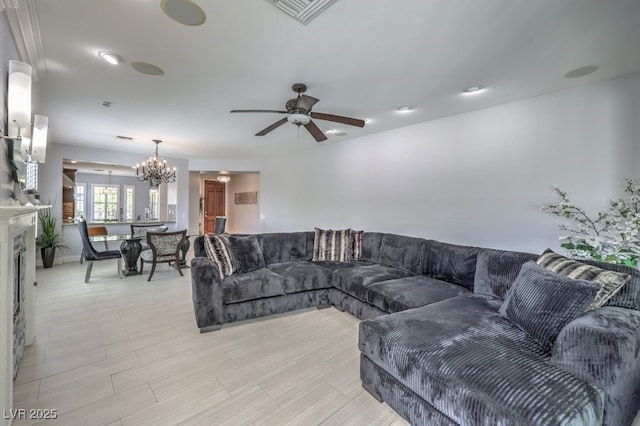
{"x":140,"y":231}
{"x":219,"y":224}
{"x":165,"y":248}
{"x":95,"y":231}
{"x":92,"y":255}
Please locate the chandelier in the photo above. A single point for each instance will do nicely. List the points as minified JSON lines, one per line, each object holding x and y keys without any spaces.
{"x":155,"y":170}
{"x":110,"y":190}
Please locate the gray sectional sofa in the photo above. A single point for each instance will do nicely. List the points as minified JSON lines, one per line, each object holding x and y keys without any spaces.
{"x":433,"y":343}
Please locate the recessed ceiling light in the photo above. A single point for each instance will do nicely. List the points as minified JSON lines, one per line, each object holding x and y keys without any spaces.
{"x":367,"y":120}
{"x":472,"y":89}
{"x":111,"y":58}
{"x":147,"y":69}
{"x":405,"y":109}
{"x":183,"y":11}
{"x":330,"y":131}
{"x":582,"y":71}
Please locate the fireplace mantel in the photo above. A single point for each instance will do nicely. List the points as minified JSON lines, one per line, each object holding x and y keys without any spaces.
{"x":17,"y":225}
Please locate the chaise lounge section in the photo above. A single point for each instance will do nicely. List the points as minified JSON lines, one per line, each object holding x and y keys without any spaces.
{"x":435,"y":344}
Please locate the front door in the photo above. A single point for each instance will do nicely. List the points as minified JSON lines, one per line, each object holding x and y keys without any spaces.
{"x":214,"y":203}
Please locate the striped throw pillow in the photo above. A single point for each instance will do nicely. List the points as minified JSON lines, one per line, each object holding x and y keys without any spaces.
{"x":217,"y":249}
{"x":330,"y":245}
{"x":610,"y":282}
{"x":356,"y":249}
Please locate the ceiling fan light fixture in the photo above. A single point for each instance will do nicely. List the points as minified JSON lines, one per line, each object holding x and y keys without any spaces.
{"x":224,"y":178}
{"x":299,"y":119}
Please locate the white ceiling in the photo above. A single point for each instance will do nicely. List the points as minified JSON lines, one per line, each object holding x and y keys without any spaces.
{"x":361,"y":58}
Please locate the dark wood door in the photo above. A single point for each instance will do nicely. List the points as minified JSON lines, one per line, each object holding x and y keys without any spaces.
{"x":214,"y":203}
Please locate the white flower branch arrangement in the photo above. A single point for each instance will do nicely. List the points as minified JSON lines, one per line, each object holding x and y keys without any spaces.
{"x":613,"y":236}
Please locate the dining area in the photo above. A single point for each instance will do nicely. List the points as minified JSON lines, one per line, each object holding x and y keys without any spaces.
{"x":144,"y":243}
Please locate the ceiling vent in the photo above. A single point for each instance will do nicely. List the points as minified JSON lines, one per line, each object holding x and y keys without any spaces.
{"x":302,"y":11}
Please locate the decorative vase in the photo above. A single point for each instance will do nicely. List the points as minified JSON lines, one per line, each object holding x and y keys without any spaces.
{"x":48,"y":254}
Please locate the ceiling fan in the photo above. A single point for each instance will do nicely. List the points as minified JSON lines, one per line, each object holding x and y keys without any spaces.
{"x":299,"y":113}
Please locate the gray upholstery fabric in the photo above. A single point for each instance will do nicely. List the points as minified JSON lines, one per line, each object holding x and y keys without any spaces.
{"x":246,"y":253}
{"x":198,"y":247}
{"x":275,"y":305}
{"x":476,"y":367}
{"x":206,"y":292}
{"x":283,"y":246}
{"x":541,"y":302}
{"x":302,"y":276}
{"x":404,"y":401}
{"x":252,"y":285}
{"x":371,"y":244}
{"x":359,"y":309}
{"x":497,"y":269}
{"x":355,"y":280}
{"x":334,"y":266}
{"x":411,"y":292}
{"x":629,"y":295}
{"x":449,"y":262}
{"x":400,"y":252}
{"x":602,"y":347}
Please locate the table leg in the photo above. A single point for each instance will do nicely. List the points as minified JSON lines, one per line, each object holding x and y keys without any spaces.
{"x":131,"y":250}
{"x":184,"y":249}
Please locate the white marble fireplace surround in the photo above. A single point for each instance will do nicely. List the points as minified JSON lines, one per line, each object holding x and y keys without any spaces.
{"x":17,"y":235}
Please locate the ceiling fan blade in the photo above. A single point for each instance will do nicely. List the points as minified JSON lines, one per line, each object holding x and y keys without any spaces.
{"x":338,"y":119}
{"x":306,"y":102}
{"x":315,"y":131}
{"x":258,"y":110}
{"x":272,"y":127}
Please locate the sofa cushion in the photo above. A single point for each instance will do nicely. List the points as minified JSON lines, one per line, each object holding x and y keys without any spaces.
{"x":476,"y":367}
{"x":497,"y":269}
{"x":334,"y":266}
{"x":246,"y":253}
{"x":283,"y":246}
{"x":400,"y":252}
{"x":610,"y":282}
{"x":332,"y":245}
{"x":411,"y":292}
{"x":449,"y":262}
{"x":354,"y":280}
{"x":257,"y":284}
{"x":541,"y":302}
{"x":356,"y":245}
{"x":217,"y":249}
{"x":302,"y":276}
{"x":371,"y":244}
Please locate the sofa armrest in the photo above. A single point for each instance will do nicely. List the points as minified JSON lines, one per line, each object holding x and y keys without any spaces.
{"x":206,"y":292}
{"x":602,"y":347}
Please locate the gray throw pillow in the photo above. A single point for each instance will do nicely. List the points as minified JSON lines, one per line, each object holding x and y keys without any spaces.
{"x":610,"y":282}
{"x":542,"y":302}
{"x":246,"y":253}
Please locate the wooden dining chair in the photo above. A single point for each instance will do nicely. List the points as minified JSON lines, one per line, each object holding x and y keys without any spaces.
{"x":165,"y":248}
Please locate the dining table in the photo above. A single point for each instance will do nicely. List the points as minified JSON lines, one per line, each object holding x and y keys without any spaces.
{"x":131,"y":247}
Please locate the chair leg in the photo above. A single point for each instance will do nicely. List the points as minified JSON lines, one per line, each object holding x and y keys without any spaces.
{"x":141,"y":266}
{"x":87,"y":275}
{"x":81,"y":257}
{"x":178,"y":268}
{"x":153,"y":269}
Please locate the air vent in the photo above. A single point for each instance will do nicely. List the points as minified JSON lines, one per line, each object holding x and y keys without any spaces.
{"x":128,"y":138}
{"x":303,"y":11}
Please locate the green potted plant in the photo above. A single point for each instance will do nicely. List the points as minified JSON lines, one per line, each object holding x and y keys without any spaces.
{"x":49,"y":239}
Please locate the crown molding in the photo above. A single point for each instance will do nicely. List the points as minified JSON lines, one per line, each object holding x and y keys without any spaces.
{"x":25,"y":29}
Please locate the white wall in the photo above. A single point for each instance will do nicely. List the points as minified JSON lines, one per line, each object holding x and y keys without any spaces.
{"x":243,"y":218}
{"x":478,"y":178}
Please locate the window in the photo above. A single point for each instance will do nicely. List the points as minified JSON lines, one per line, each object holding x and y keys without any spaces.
{"x":154,"y":204}
{"x":129,"y":202}
{"x":80,"y":199}
{"x":105,"y":206}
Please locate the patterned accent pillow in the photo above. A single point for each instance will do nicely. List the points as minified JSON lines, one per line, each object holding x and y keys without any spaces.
{"x":330,"y":245}
{"x":610,"y":282}
{"x":356,"y":249}
{"x":542,"y":302}
{"x":217,"y":249}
